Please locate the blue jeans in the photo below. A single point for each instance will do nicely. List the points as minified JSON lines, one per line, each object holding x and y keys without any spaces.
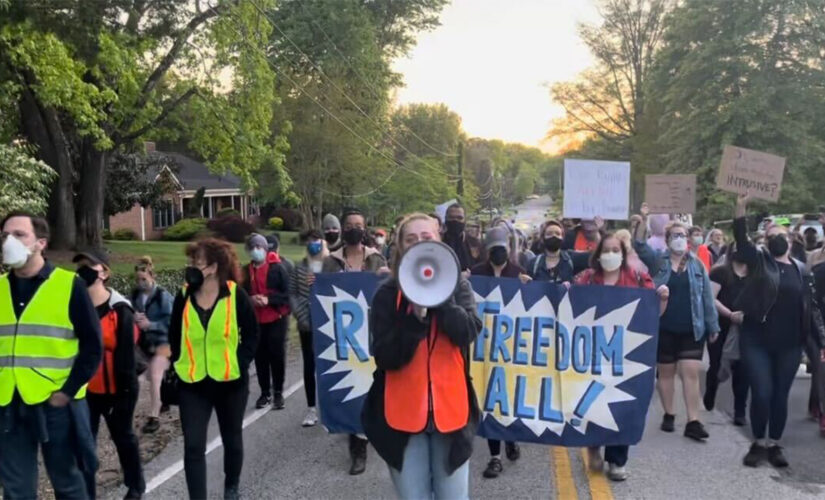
{"x":53,"y":430}
{"x":424,"y":473}
{"x":771,"y":371}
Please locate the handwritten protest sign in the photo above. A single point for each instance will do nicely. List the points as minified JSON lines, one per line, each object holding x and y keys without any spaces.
{"x":551,"y":365}
{"x":596,"y":188}
{"x":671,"y":194}
{"x":754,"y":172}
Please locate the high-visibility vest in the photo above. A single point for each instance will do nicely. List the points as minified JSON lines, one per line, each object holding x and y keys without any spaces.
{"x":38,"y":349}
{"x":434,"y":380}
{"x":210,"y":351}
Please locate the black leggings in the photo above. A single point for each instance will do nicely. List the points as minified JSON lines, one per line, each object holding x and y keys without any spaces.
{"x":118,"y":411}
{"x":309,"y":366}
{"x":197,"y":401}
{"x":739,"y":380}
{"x":270,"y":356}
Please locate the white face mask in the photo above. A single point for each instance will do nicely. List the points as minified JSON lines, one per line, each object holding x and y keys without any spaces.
{"x":380,"y":240}
{"x":257,"y":255}
{"x":678,"y":245}
{"x":15,"y":253}
{"x":611,"y":261}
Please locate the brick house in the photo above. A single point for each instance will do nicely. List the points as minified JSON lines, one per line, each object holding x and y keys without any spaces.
{"x":221,"y":191}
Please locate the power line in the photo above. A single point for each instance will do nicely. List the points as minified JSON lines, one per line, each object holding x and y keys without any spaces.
{"x":365,"y":81}
{"x":435,"y":170}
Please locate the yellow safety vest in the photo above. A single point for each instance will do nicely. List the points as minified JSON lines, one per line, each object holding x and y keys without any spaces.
{"x":38,"y":349}
{"x":212,"y":351}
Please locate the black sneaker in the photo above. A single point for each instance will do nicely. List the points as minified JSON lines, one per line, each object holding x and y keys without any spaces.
{"x":494,"y":468}
{"x":263,"y":401}
{"x":152,"y":425}
{"x":739,"y":420}
{"x":709,"y":402}
{"x":358,"y":456}
{"x":776,"y":457}
{"x":512,"y":451}
{"x":696,"y":431}
{"x":756,"y":455}
{"x":278,"y":401}
{"x":668,"y":423}
{"x":133,"y":494}
{"x":231,"y":493}
{"x":164,"y":408}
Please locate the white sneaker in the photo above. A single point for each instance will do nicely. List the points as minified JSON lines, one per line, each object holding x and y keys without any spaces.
{"x":594,"y":459}
{"x":311,"y":418}
{"x":616,"y":473}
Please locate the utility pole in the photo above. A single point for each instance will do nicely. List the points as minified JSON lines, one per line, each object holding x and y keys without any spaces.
{"x":460,"y":187}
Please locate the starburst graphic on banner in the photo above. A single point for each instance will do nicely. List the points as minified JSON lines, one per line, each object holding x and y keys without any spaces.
{"x":569,"y":386}
{"x":358,"y":378}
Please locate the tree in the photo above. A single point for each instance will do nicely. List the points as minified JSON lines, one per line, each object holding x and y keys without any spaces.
{"x":95,"y":78}
{"x":748,"y":73}
{"x":26,"y":181}
{"x":136,"y":179}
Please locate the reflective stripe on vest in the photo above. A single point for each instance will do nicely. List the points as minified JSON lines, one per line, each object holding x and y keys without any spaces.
{"x":212,"y":351}
{"x":434,"y":380}
{"x":37,"y":350}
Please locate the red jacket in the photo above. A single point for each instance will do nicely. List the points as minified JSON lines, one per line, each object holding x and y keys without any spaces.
{"x":628,"y":277}
{"x":261,"y":282}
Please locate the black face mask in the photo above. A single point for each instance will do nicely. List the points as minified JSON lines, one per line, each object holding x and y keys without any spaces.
{"x":454,"y":227}
{"x":353,"y":236}
{"x":193,"y":277}
{"x":331,"y":237}
{"x":498,"y":256}
{"x":778,"y":245}
{"x":88,"y":275}
{"x":552,"y":243}
{"x":737,"y":257}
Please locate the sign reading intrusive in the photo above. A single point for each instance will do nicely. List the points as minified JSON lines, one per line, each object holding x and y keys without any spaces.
{"x":754,"y":172}
{"x":671,"y":194}
{"x":596,"y":188}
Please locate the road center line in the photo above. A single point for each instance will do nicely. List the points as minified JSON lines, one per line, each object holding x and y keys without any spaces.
{"x":169,"y":472}
{"x":599,"y":487}
{"x":565,"y":484}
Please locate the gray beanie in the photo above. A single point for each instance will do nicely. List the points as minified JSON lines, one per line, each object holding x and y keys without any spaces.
{"x":331,"y":223}
{"x":256,"y":240}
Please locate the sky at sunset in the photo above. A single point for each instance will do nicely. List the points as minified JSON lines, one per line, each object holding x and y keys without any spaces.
{"x":491,"y":61}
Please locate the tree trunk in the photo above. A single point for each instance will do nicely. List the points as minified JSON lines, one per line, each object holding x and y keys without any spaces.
{"x":90,"y":199}
{"x":41,"y":126}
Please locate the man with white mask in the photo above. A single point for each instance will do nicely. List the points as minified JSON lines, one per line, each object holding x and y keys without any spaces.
{"x":50,"y":347}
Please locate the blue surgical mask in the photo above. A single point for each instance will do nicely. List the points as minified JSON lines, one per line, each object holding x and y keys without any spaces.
{"x":314,"y":248}
{"x":257,"y":255}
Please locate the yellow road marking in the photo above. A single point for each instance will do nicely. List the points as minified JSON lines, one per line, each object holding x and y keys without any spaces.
{"x":599,"y":487}
{"x":565,"y":484}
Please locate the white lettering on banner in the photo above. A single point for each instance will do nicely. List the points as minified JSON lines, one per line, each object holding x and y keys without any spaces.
{"x":596,"y":188}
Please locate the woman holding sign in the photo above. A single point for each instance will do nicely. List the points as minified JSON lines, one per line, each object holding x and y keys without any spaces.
{"x":779,"y":317}
{"x":427,"y":451}
{"x":609,"y":266}
{"x":689,"y":318}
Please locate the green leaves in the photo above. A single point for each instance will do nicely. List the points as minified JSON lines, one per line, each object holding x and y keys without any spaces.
{"x":26,"y":181}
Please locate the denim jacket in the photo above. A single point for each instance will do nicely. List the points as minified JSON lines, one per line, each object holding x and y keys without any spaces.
{"x":158,"y":310}
{"x":570,"y":264}
{"x":702,"y":304}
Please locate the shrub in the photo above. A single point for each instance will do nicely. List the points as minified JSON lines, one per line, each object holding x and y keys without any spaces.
{"x":124,"y":234}
{"x":170,"y":279}
{"x":231,"y":228}
{"x":185,"y":230}
{"x":276,"y":223}
{"x":293,"y":219}
{"x":227,"y":211}
{"x":107,"y":235}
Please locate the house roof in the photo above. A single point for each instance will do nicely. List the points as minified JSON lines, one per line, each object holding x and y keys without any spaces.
{"x":192,"y":174}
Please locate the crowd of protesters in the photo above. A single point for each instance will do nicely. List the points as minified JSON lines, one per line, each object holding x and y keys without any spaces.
{"x":754,"y":303}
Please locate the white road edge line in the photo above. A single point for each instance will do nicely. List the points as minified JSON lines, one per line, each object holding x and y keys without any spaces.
{"x":170,"y":472}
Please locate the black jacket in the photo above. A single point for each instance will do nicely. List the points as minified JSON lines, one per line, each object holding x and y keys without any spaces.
{"x":277,"y":282}
{"x":762,"y":286}
{"x":394,"y":337}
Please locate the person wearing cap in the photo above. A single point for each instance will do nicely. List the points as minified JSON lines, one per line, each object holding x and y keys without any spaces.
{"x":56,"y":349}
{"x":266,"y":280}
{"x":113,"y":390}
{"x":332,"y":232}
{"x":499,"y":264}
{"x":585,"y":236}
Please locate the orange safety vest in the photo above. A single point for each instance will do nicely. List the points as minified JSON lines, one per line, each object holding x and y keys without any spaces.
{"x":103,"y":381}
{"x":434,"y":380}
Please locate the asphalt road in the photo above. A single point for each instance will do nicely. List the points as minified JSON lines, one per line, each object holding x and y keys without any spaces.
{"x":284,"y":460}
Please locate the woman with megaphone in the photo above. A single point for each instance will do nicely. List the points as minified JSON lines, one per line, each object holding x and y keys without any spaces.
{"x":421,"y":412}
{"x":609,"y":266}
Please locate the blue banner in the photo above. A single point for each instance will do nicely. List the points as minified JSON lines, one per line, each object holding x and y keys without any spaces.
{"x":553,"y":366}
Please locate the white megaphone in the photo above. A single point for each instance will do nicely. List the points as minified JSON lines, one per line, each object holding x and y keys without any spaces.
{"x":429,"y":273}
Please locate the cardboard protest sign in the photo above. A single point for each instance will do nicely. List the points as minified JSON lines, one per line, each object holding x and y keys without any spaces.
{"x":671,"y":194}
{"x":754,"y":172}
{"x":550,"y":365}
{"x":596,"y":188}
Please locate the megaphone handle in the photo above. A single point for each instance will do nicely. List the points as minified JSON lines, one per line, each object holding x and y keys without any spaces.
{"x":420,"y":312}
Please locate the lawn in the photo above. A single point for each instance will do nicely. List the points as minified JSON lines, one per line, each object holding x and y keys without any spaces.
{"x":169,"y":254}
